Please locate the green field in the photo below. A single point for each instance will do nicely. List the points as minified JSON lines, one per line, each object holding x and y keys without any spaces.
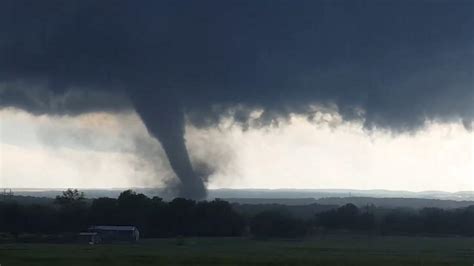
{"x":331,"y":250}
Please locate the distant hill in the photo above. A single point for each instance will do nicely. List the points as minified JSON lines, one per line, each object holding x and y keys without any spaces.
{"x":281,"y":201}
{"x":288,"y":197}
{"x":306,"y":211}
{"x":267,"y":193}
{"x":415,"y":203}
{"x":340,"y":193}
{"x":396,"y":202}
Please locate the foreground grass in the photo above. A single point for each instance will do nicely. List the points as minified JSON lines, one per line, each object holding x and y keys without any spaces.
{"x":333,"y":250}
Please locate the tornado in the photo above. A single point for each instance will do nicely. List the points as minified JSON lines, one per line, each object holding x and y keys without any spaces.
{"x":164,"y":119}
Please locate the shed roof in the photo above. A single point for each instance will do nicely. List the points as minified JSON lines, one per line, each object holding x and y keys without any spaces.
{"x":113,"y":227}
{"x":88,"y":234}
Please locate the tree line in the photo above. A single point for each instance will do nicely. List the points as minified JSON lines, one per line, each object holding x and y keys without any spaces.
{"x":182,"y":217}
{"x":153,"y":216}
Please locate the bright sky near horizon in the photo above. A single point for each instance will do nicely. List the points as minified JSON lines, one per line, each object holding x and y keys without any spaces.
{"x":101,"y":150}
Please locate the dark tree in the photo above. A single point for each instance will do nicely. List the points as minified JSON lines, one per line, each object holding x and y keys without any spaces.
{"x":70,"y":197}
{"x":217,"y":218}
{"x":72,"y":210}
{"x":104,"y":211}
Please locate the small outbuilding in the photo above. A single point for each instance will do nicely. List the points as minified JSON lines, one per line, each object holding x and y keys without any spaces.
{"x":111,"y":233}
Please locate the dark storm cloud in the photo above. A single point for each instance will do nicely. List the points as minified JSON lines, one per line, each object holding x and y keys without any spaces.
{"x":395,"y":63}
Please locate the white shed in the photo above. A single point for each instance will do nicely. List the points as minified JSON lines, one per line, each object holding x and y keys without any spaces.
{"x":116,"y":233}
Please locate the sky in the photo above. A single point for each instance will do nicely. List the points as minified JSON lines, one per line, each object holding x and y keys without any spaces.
{"x":270,"y":93}
{"x":99,"y":150}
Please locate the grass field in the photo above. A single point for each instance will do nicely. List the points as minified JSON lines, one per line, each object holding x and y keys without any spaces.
{"x":332,"y":250}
